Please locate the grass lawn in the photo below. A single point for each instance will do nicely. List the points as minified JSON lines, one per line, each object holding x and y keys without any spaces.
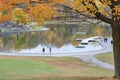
{"x":49,"y":68}
{"x":107,"y":57}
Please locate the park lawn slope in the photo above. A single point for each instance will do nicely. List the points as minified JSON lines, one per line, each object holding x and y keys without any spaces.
{"x":35,"y":68}
{"x":107,"y":57}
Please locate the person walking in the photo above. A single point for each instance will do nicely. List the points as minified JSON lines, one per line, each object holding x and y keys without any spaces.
{"x":111,"y":42}
{"x":50,"y":50}
{"x":105,"y":39}
{"x":43,"y":50}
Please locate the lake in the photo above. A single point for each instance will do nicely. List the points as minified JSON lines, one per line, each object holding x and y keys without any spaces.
{"x":60,"y":38}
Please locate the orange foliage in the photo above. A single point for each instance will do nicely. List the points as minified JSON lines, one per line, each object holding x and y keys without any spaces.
{"x":45,"y":11}
{"x":5,"y":17}
{"x":20,"y":16}
{"x":39,"y":12}
{"x":59,"y":1}
{"x":17,"y":1}
{"x":91,"y":7}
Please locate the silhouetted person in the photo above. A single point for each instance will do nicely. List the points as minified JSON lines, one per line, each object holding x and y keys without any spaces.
{"x":111,"y":42}
{"x":43,"y":50}
{"x":105,"y":39}
{"x":50,"y":50}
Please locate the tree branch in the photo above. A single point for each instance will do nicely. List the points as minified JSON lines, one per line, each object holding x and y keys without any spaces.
{"x":98,"y":15}
{"x":75,"y":11}
{"x":103,"y":18}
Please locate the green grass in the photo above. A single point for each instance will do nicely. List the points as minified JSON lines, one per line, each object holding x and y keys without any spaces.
{"x":107,"y":57}
{"x":25,"y":67}
{"x":66,"y":78}
{"x":39,"y":68}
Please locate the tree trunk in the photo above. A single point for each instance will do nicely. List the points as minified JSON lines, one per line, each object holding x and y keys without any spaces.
{"x":116,"y":47}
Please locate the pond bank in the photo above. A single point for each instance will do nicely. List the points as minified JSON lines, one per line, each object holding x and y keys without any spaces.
{"x":86,"y":56}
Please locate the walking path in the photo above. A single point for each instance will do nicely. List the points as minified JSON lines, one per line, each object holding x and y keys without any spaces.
{"x":92,"y":60}
{"x":84,"y":56}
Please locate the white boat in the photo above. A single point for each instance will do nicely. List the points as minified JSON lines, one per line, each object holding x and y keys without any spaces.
{"x":86,"y":41}
{"x":91,"y":39}
{"x":79,"y":39}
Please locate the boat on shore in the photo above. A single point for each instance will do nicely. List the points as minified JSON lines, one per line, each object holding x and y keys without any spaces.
{"x":86,"y":41}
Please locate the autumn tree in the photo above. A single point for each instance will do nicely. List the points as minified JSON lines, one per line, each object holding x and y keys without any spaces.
{"x":26,"y":10}
{"x":20,"y":16}
{"x":40,"y":10}
{"x":107,"y":11}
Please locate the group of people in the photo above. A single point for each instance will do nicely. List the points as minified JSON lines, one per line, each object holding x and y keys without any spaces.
{"x":106,"y":39}
{"x":43,"y":50}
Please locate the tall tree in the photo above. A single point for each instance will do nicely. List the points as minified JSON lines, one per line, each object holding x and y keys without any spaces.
{"x":109,"y":12}
{"x":40,"y":10}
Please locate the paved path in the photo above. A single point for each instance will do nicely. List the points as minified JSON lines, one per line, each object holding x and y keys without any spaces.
{"x":92,"y":60}
{"x":86,"y":56}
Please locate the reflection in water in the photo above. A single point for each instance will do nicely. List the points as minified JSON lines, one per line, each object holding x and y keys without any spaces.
{"x":64,"y":49}
{"x":60,"y":38}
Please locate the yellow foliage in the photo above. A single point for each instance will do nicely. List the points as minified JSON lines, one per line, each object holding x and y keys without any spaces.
{"x":5,"y":17}
{"x":90,"y":7}
{"x":20,"y":16}
{"x":17,"y":1}
{"x":116,"y":12}
{"x":59,"y":1}
{"x":41,"y":12}
{"x":98,"y":30}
